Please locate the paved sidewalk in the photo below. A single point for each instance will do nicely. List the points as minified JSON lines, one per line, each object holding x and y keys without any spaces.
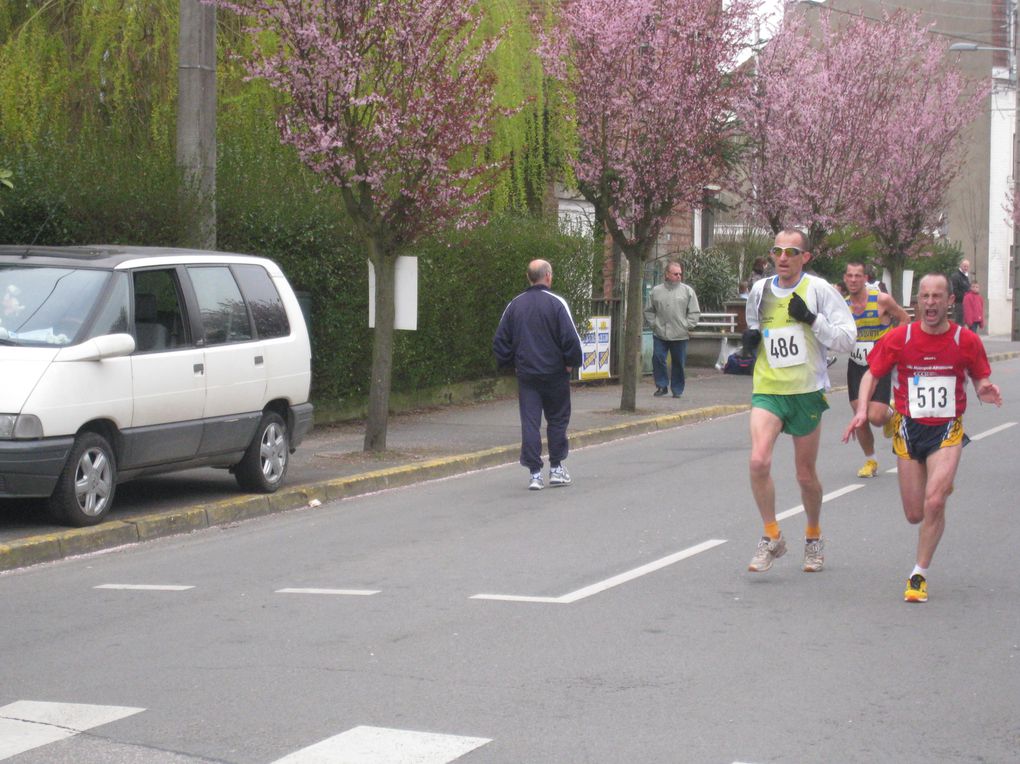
{"x":422,"y":445}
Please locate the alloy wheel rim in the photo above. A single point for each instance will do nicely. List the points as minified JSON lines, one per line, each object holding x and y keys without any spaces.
{"x":93,"y":482}
{"x":273,"y":451}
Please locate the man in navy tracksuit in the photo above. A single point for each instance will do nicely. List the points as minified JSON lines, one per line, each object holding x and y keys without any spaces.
{"x":537,"y":336}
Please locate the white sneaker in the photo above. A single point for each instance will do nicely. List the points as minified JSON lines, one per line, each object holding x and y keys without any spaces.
{"x":813,"y":557}
{"x":768,"y":550}
{"x":559,"y":476}
{"x":536,"y":483}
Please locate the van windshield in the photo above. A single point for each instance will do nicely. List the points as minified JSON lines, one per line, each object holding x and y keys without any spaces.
{"x":47,"y":306}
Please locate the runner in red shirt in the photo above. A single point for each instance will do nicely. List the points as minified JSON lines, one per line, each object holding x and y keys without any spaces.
{"x":931,"y":357}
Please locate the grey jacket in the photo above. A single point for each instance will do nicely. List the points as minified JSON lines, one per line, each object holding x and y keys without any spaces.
{"x":673,"y":311}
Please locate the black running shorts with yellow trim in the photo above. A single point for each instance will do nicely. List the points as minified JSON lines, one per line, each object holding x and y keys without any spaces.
{"x":800,"y":413}
{"x":913,"y":440}
{"x":855,"y":373}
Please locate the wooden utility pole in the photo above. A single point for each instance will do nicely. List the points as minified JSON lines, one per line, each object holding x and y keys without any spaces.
{"x":196,"y":121}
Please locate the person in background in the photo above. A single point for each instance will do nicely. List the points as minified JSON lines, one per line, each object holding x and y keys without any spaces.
{"x":672,"y":312}
{"x":874,"y":313}
{"x":758,"y":268}
{"x":959,"y":281}
{"x":742,"y":289}
{"x":974,"y":308}
{"x":537,"y":336}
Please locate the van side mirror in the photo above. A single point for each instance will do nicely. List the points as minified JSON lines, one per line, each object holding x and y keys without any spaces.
{"x":98,"y":348}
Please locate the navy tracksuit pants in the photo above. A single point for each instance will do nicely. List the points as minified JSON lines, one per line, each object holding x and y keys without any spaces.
{"x":547,"y":394}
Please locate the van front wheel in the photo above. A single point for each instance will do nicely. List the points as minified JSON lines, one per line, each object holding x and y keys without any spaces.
{"x":264,"y":464}
{"x":85,"y":488}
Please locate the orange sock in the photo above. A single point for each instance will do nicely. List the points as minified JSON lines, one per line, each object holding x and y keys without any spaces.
{"x":772,"y":530}
{"x":813,"y":533}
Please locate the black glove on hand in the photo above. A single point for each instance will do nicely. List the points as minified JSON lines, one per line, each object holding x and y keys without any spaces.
{"x":749,"y":341}
{"x":798,"y":310}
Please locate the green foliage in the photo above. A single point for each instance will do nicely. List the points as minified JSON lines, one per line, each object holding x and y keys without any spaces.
{"x":96,"y":192}
{"x":5,"y":182}
{"x":466,"y":279}
{"x":940,"y":256}
{"x":712,"y":275}
{"x":88,"y":95}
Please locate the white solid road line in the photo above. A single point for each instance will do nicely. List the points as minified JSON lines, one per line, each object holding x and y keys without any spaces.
{"x":347,"y":592}
{"x":371,"y":745}
{"x":146,"y":587}
{"x":827,"y":497}
{"x":28,"y":724}
{"x":608,"y":583}
{"x":992,"y":431}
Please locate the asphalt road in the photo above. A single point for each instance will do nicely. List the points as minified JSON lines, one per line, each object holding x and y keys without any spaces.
{"x":471,"y":620}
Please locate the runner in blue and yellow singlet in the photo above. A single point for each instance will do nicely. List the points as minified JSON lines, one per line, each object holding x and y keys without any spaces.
{"x":875,"y":313}
{"x":795,"y":319}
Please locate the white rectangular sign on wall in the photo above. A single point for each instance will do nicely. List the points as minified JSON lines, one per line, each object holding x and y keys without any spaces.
{"x":406,"y":285}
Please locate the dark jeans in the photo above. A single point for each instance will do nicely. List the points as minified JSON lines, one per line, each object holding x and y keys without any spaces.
{"x":548,"y":394}
{"x":677,"y":349}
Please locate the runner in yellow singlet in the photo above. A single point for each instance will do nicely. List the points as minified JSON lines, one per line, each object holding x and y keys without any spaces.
{"x":797,"y":319}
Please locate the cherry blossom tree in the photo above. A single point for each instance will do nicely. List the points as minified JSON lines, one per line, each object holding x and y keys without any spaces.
{"x":921,"y":137}
{"x":391,"y":102}
{"x":808,"y":116}
{"x":856,"y":126}
{"x":650,"y":84}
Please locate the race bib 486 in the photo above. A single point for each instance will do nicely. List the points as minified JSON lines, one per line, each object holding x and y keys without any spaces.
{"x":785,"y":347}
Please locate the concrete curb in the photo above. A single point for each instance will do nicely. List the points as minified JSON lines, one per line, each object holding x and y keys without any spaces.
{"x":48,"y":547}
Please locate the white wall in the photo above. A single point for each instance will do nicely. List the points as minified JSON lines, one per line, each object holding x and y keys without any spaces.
{"x":998,"y":297}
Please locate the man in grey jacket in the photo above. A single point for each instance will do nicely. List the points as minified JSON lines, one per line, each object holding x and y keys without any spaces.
{"x":672,"y":312}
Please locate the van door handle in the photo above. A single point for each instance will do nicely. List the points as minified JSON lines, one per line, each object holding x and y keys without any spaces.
{"x":258,"y":360}
{"x":199,"y":368}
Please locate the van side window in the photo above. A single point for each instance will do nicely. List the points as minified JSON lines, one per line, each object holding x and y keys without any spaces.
{"x":263,"y":300}
{"x":113,"y":317}
{"x":159,"y":319}
{"x":224,"y":315}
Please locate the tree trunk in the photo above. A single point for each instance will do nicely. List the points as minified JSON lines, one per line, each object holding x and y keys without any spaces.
{"x":633,"y":323}
{"x":385,"y":264}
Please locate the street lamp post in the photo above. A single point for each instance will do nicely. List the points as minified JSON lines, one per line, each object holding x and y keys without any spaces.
{"x":962,"y":47}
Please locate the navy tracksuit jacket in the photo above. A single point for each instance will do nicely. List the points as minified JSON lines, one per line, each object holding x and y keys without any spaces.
{"x":537,"y":336}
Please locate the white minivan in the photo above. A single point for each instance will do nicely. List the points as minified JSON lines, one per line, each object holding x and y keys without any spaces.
{"x":119,"y":361}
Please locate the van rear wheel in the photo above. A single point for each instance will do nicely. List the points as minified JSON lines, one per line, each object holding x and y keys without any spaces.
{"x":264,"y":464}
{"x":84,"y":492}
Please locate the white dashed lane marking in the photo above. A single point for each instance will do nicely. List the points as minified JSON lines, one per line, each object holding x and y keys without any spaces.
{"x":146,"y":587}
{"x":343,"y":592}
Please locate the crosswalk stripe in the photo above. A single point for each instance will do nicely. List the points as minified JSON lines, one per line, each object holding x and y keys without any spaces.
{"x":28,"y":724}
{"x":371,"y":745}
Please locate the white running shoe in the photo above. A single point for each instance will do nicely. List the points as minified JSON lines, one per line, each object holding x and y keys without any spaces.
{"x":768,"y":550}
{"x":536,"y":483}
{"x":559,"y":476}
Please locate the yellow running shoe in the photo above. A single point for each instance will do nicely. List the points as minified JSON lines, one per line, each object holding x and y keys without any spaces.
{"x":869,"y":470}
{"x":889,"y":428}
{"x":917,"y":589}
